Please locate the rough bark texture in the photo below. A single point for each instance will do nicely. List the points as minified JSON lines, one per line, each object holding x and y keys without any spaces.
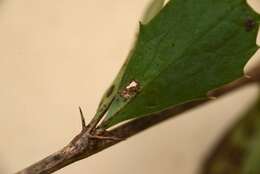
{"x":85,"y":145}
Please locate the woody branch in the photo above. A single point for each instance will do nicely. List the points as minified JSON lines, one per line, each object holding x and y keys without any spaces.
{"x":83,"y":146}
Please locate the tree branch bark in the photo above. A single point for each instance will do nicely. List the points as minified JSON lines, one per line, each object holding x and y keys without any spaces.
{"x":84,"y":145}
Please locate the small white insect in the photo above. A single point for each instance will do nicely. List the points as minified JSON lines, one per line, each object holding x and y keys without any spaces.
{"x":130,"y":90}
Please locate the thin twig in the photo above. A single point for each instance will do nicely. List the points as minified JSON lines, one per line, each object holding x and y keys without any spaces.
{"x":83,"y":145}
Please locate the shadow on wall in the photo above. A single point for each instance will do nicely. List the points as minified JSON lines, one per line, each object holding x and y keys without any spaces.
{"x":1,"y":3}
{"x":2,"y":167}
{"x":2,"y":171}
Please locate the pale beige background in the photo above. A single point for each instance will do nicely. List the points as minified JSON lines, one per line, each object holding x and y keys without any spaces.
{"x":58,"y":54}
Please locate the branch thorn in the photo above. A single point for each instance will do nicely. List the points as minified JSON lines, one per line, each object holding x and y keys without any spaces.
{"x":83,"y":123}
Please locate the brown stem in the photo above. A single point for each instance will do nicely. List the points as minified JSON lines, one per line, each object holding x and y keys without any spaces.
{"x":84,"y":145}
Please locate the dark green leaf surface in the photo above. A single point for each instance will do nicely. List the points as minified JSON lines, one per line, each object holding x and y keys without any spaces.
{"x":239,"y":150}
{"x":188,"y":49}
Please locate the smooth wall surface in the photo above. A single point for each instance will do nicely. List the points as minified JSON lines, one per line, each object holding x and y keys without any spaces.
{"x":57,"y":55}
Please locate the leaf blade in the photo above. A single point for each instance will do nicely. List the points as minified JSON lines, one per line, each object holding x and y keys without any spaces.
{"x":173,"y":53}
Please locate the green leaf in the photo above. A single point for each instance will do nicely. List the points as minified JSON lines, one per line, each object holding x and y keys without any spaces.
{"x":152,"y":10}
{"x":239,"y":150}
{"x":188,"y":49}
